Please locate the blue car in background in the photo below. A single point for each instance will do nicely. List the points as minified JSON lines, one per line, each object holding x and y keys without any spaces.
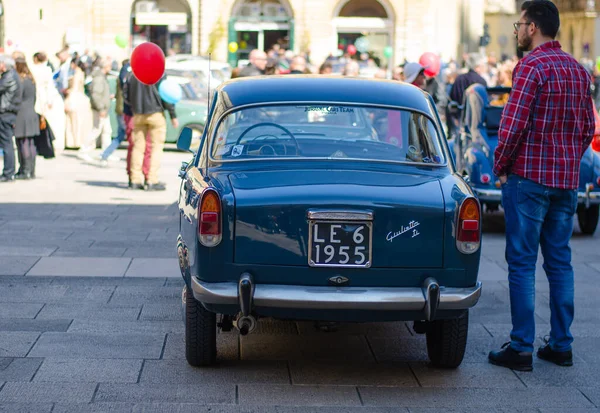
{"x":473,"y":152}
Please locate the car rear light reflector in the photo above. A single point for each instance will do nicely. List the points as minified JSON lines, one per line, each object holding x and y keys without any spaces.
{"x":209,"y":223}
{"x":485,"y":178}
{"x":598,"y":181}
{"x":468,"y":236}
{"x":209,"y":219}
{"x":470,"y":225}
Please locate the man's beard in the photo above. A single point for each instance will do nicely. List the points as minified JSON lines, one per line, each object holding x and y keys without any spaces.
{"x":525,"y":44}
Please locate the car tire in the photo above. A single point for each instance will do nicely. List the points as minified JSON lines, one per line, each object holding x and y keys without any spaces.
{"x":447,"y":341}
{"x":200,"y":333}
{"x":195,"y":127}
{"x":588,"y":218}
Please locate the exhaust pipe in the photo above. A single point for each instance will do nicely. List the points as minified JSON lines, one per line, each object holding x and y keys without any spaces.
{"x":245,"y":321}
{"x":245,"y":324}
{"x":431,"y":290}
{"x":183,"y":303}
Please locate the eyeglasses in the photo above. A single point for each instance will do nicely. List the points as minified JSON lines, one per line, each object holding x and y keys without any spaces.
{"x":516,"y":25}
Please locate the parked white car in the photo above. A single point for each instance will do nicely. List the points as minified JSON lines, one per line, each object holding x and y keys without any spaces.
{"x":219,"y":71}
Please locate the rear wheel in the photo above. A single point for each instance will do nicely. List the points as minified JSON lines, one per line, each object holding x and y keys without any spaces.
{"x":588,"y":218}
{"x":200,"y":333}
{"x":447,"y":341}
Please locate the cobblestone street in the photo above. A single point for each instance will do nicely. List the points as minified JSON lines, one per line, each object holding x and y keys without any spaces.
{"x":90,"y":320}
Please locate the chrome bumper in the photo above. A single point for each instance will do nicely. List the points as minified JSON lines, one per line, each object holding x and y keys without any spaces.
{"x":339,"y":298}
{"x":588,"y":197}
{"x":488,"y":195}
{"x":495,"y":195}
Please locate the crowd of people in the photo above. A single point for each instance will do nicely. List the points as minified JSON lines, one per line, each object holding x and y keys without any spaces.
{"x":43,"y":108}
{"x":447,"y":85}
{"x":68,"y":105}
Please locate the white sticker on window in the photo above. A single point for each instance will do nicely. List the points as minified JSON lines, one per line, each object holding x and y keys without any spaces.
{"x":237,"y":150}
{"x":223,"y":150}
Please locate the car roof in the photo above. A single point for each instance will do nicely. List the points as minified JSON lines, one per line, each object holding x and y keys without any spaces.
{"x":322,"y":88}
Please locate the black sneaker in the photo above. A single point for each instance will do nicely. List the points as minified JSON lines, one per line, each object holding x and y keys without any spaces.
{"x":23,"y":176}
{"x":5,"y":178}
{"x":560,"y":358}
{"x":137,"y":186}
{"x":159,"y":186}
{"x":512,"y":359}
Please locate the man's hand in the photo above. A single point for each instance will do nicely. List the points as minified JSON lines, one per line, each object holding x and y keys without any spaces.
{"x":103,"y":114}
{"x":175,"y":123}
{"x":503,"y":179}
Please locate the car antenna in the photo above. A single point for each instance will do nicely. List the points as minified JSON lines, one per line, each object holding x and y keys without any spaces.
{"x":206,"y":177}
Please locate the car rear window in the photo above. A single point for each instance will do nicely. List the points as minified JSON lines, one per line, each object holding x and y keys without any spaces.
{"x":327,"y":131}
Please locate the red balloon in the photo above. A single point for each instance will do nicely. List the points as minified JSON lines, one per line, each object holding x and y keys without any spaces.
{"x":148,"y":63}
{"x":431,"y":62}
{"x":351,"y":50}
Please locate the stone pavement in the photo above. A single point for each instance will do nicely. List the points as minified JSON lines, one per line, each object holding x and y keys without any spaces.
{"x":90,"y":320}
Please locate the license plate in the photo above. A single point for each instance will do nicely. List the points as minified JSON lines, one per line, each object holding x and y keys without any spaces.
{"x":339,"y":244}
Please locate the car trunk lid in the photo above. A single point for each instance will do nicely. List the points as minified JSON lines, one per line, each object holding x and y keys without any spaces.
{"x":273,"y":209}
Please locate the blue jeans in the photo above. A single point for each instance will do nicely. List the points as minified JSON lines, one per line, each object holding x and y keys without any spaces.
{"x":539,"y":216}
{"x":114,"y":144}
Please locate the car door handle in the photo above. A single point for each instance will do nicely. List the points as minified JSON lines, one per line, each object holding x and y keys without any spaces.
{"x":183,"y":169}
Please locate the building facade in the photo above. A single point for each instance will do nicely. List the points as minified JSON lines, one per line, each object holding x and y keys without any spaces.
{"x":409,"y":28}
{"x":499,"y":18}
{"x":579,"y":32}
{"x":580,"y":27}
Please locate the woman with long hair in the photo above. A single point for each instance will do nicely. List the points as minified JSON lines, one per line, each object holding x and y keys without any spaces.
{"x":27,"y":125}
{"x":48,"y":102}
{"x":77,"y":107}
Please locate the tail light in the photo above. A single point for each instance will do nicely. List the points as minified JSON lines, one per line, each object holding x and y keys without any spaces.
{"x":485,"y":178}
{"x":468,"y":238}
{"x":598,"y":181}
{"x":209,"y":219}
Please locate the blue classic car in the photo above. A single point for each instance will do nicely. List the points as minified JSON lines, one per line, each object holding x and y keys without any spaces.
{"x":327,"y":199}
{"x":474,"y":155}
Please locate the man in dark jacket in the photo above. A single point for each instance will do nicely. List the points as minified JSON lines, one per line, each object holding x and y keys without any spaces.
{"x":256,"y":67}
{"x":148,"y":118}
{"x":298,"y":65}
{"x":100,"y":97}
{"x":476,"y":64}
{"x":10,"y":101}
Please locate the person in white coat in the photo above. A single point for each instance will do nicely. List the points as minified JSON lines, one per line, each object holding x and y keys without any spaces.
{"x":49,"y":103}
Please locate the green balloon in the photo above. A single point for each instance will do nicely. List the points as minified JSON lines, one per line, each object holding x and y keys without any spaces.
{"x":388,"y":51}
{"x":121,"y":41}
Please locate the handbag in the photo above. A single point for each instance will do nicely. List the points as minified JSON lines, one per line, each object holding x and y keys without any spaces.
{"x":43,"y":124}
{"x":43,"y":143}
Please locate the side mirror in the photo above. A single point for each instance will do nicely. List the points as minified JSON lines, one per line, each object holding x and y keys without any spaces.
{"x":184,"y":142}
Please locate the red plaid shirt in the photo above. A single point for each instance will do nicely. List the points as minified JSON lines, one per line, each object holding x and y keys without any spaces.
{"x":548,"y":122}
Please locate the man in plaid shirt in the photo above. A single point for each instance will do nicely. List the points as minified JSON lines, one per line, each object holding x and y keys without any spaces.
{"x":546,"y":126}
